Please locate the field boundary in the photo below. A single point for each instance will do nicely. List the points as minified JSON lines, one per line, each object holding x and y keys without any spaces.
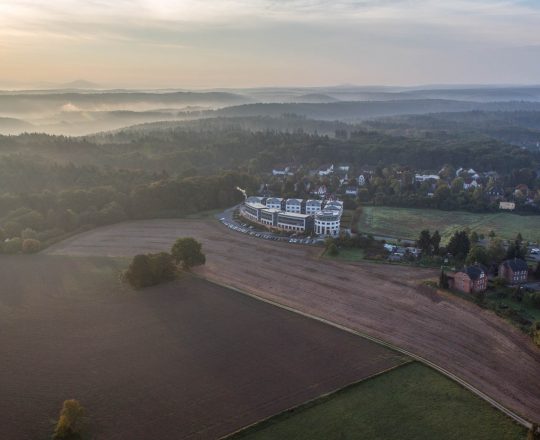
{"x":513,"y":415}
{"x":315,"y":400}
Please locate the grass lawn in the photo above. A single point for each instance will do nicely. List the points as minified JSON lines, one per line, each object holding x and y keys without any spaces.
{"x":410,"y":402}
{"x":408,"y":222}
{"x":522,"y":308}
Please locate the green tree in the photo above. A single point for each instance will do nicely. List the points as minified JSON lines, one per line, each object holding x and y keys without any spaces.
{"x":443,"y":280}
{"x":139,"y":273}
{"x":496,"y":251}
{"x":474,"y":237}
{"x":69,"y":424}
{"x":162,"y":267}
{"x":436,"y":242}
{"x":478,"y":254}
{"x":424,"y":242}
{"x":459,"y":245}
{"x":188,"y":252}
{"x":150,"y":269}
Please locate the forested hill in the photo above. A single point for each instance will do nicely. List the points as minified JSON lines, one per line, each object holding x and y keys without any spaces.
{"x":181,"y":152}
{"x":361,"y":110}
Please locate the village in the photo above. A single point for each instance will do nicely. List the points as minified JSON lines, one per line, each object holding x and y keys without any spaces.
{"x":448,"y":188}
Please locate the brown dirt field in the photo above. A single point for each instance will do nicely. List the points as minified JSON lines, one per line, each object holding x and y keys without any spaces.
{"x":381,"y":300}
{"x":185,"y":360}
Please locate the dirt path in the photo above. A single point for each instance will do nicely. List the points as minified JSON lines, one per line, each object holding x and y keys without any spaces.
{"x":380,"y":300}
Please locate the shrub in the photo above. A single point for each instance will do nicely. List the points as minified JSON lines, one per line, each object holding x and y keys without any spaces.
{"x":31,"y":246}
{"x":333,"y":249}
{"x":69,"y":424}
{"x":12,"y":246}
{"x":532,"y":299}
{"x":500,"y":282}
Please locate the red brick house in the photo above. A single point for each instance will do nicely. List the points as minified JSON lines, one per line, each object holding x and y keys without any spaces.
{"x":471,"y":279}
{"x":514,"y":271}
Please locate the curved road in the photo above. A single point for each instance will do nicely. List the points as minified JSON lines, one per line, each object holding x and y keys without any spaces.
{"x":382,"y":301}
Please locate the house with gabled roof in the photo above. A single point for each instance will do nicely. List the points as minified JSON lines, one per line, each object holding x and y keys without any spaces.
{"x":515,"y":271}
{"x":470,"y":279}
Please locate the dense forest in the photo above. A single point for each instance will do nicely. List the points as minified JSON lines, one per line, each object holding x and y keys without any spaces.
{"x":55,"y":185}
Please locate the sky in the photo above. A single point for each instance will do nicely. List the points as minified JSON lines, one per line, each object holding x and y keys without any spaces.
{"x":251,"y":43}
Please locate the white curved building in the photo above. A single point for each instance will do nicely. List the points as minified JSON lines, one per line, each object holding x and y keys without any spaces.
{"x":327,"y":223}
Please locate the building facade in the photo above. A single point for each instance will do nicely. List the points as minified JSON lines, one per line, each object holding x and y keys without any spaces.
{"x":471,"y":279}
{"x":514,"y":271}
{"x":327,"y":223}
{"x":295,"y":215}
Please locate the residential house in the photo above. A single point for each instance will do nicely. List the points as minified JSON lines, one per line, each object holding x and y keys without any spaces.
{"x":283,"y":170}
{"x":426,"y":177}
{"x":495,"y":193}
{"x":325,"y":170}
{"x":514,"y":271}
{"x":351,"y":191}
{"x":361,"y":180}
{"x":470,"y":183}
{"x":471,"y":279}
{"x":321,"y":191}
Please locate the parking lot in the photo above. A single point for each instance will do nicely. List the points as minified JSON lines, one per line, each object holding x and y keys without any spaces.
{"x":227,"y":218}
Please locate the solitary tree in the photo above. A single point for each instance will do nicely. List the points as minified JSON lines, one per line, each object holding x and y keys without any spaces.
{"x":69,"y":424}
{"x":187,"y":251}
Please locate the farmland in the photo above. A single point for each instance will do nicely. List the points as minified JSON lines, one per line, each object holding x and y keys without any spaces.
{"x":380,"y":300}
{"x":410,"y":402}
{"x":407,"y":223}
{"x":189,"y":359}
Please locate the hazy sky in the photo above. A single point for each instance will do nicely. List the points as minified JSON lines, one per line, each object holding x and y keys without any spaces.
{"x":234,"y":43}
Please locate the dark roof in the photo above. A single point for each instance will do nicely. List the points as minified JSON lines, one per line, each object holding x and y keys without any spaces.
{"x":474,"y":272}
{"x":517,"y":265}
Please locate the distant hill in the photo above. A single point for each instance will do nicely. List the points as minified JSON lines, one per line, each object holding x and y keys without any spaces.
{"x":361,"y":110}
{"x":315,"y":97}
{"x":14,"y":126}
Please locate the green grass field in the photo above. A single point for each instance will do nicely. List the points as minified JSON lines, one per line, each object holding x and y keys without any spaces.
{"x":408,"y":222}
{"x":409,"y":402}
